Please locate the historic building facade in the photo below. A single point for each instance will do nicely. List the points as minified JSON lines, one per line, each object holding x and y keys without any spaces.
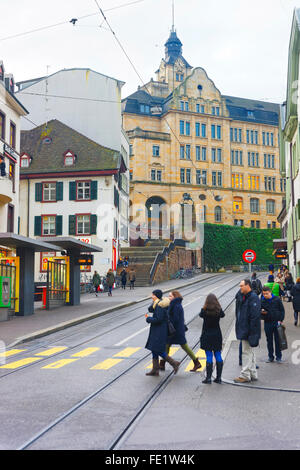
{"x":191,"y":144}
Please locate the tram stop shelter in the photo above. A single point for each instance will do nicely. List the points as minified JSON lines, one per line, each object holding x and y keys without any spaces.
{"x":73,"y":249}
{"x":25,"y":250}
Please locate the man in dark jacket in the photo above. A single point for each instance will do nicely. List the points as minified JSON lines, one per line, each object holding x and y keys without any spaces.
{"x":296,"y":300}
{"x":248,"y":330}
{"x":272,"y":312}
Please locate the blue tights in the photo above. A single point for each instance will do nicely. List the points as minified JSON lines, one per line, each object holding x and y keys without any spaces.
{"x":156,"y":355}
{"x":209,"y":356}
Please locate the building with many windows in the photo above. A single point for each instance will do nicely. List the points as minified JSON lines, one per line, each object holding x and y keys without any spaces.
{"x":186,"y":138}
{"x":11,"y":111}
{"x":290,"y":152}
{"x":72,"y":186}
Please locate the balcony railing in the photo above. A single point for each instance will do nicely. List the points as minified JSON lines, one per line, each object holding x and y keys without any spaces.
{"x":6,"y":189}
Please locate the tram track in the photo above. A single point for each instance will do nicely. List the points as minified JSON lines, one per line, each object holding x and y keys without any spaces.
{"x":203,"y":284}
{"x":143,"y":406}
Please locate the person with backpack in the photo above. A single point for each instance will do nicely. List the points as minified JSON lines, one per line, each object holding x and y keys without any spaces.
{"x":272,"y":312}
{"x":256,"y":284}
{"x":96,"y":282}
{"x":211,"y":338}
{"x":124,"y":278}
{"x":275,"y":288}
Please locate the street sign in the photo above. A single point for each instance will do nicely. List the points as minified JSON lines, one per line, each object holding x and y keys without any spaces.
{"x":249,"y":256}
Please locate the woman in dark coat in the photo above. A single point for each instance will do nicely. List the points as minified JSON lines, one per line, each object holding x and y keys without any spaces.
{"x":176,"y":317}
{"x":211,"y":338}
{"x":289,"y":284}
{"x":124,"y":278}
{"x":296,"y":300}
{"x":157,"y":339}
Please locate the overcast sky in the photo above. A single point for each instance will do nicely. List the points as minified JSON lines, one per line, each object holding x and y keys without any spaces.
{"x":242,"y":44}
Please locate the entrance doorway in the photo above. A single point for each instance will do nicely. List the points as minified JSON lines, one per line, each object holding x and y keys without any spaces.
{"x":156,"y":216}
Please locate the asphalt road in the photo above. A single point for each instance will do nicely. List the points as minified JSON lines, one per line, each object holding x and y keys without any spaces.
{"x":80,"y":387}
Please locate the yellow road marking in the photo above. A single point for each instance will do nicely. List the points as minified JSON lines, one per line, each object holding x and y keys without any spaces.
{"x":22,"y":362}
{"x":105,"y":365}
{"x":171,"y":353}
{"x":50,"y":352}
{"x":85,"y":352}
{"x":126,"y":352}
{"x":202,"y":359}
{"x":12,"y":352}
{"x":59,"y":364}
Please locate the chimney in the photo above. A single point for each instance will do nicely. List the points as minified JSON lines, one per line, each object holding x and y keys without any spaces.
{"x":9,"y":82}
{"x":2,"y":71}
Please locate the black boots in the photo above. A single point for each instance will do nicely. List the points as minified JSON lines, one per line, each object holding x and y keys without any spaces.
{"x":209,"y":368}
{"x":157,"y":366}
{"x":219,"y":367}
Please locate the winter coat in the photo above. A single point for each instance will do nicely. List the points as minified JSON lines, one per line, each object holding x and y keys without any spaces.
{"x":211,"y":337}
{"x":96,"y":280}
{"x":289,"y":283}
{"x":176,"y":316}
{"x":158,"y":334}
{"x":132,"y":276}
{"x":124,"y":276}
{"x":256,"y":285}
{"x":247,"y":326}
{"x":295,"y":293}
{"x":110,"y":279}
{"x":274,"y":307}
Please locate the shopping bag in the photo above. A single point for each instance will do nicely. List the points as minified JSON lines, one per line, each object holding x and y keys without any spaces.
{"x":282,"y":337}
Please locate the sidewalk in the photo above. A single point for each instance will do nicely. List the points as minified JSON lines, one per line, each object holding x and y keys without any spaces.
{"x":21,"y":329}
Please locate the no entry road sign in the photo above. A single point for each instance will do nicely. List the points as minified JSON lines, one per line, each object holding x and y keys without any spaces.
{"x":249,"y":256}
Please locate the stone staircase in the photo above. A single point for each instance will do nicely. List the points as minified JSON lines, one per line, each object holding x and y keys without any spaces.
{"x":141,"y":259}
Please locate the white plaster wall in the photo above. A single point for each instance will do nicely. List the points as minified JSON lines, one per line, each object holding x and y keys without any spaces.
{"x":97,"y":115}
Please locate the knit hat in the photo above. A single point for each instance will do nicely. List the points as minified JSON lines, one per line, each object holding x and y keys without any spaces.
{"x":158,"y":293}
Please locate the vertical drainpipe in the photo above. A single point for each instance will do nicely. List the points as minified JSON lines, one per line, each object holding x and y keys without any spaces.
{"x":28,"y":205}
{"x":293,"y":203}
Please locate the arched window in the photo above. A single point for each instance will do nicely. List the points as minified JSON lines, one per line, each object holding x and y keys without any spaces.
{"x":218,"y":214}
{"x":254,"y":205}
{"x":237,"y":204}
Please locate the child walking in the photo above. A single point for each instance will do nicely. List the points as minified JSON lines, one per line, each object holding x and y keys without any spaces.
{"x":211,"y":337}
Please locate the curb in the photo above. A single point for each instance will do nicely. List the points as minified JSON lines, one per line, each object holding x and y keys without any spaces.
{"x":91,"y":316}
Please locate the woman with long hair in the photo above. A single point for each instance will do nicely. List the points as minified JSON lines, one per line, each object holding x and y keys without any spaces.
{"x":211,"y":337}
{"x":176,"y":317}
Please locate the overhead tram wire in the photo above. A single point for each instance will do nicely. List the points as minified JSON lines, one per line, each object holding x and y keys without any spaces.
{"x":73,"y":21}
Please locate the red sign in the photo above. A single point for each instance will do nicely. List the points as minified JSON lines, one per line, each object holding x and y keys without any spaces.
{"x":249,"y":256}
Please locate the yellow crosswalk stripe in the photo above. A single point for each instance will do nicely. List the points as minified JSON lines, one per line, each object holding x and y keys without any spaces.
{"x":85,"y":352}
{"x":202,"y":359}
{"x":107,"y":364}
{"x":22,"y":362}
{"x":172,"y":351}
{"x":126,"y":352}
{"x":12,"y":352}
{"x":59,"y":364}
{"x":50,"y":352}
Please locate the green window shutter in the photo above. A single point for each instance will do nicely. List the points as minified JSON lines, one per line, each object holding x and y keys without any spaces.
{"x":94,"y":190}
{"x":93,"y":224}
{"x":72,"y":190}
{"x":59,"y":224}
{"x":38,"y":192}
{"x":72,"y":224}
{"x":60,"y":191}
{"x":37,"y":226}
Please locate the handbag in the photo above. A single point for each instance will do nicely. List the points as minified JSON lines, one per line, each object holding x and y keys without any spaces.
{"x":283,"y":344}
{"x":171,"y":329}
{"x":185,"y":328}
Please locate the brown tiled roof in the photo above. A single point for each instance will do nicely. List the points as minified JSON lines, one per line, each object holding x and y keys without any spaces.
{"x":49,"y":157}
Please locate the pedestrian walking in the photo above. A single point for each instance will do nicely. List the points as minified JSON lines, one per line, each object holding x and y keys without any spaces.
{"x":176,"y":317}
{"x":248,"y":330}
{"x":279,"y":279}
{"x":272,"y":312}
{"x":124,"y":278}
{"x":96,"y":282}
{"x":256,"y":284}
{"x":275,"y":289}
{"x":296,"y":300}
{"x":289,"y":284}
{"x":110,"y":280}
{"x":132,"y":278}
{"x":271,"y":269}
{"x":158,"y":334}
{"x":238,"y":303}
{"x":211,"y":337}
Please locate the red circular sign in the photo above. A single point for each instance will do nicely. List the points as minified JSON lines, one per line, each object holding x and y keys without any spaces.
{"x":249,"y":256}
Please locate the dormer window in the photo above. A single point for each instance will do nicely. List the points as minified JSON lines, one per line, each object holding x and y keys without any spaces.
{"x":25,"y":161}
{"x":69,"y":158}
